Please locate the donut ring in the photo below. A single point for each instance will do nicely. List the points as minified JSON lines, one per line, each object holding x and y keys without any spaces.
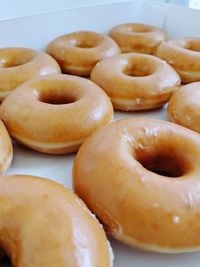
{"x":134,"y":37}
{"x":48,"y":225}
{"x":184,"y":56}
{"x":78,"y":52}
{"x":18,"y":65}
{"x":184,"y":106}
{"x":136,"y":81}
{"x":6,"y":149}
{"x":55,"y":113}
{"x":122,"y":184}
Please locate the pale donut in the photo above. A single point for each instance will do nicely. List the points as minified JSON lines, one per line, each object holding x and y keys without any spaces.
{"x":5,"y":148}
{"x":55,"y":113}
{"x":184,"y":56}
{"x":116,"y":174}
{"x":184,"y":106}
{"x":136,"y":81}
{"x":134,"y":37}
{"x":42,"y":224}
{"x":18,"y":65}
{"x":78,"y":52}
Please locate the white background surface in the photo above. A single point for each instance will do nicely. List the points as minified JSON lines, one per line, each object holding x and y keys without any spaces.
{"x":37,"y":30}
{"x":19,"y":8}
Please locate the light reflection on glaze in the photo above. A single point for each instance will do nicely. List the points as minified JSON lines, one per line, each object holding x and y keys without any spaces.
{"x":190,"y":203}
{"x":82,"y":248}
{"x":128,"y":137}
{"x":176,"y":219}
{"x":151,"y":131}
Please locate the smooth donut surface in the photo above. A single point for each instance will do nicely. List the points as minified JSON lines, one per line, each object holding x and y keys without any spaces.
{"x":141,"y":178}
{"x":5,"y":148}
{"x":55,"y":113}
{"x":184,"y":106}
{"x":184,"y":56}
{"x":135,"y":37}
{"x":18,"y":65}
{"x":78,"y":52}
{"x":136,"y":81}
{"x":48,"y":226}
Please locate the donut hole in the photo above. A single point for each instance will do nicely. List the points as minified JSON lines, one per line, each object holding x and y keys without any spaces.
{"x":194,"y":45}
{"x":57,"y":99}
{"x":163,"y":164}
{"x":85,"y":40}
{"x":15,"y":59}
{"x":86,"y":44}
{"x":139,"y":69}
{"x":5,"y":261}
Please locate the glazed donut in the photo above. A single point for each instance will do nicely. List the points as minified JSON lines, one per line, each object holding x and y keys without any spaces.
{"x":136,"y":81}
{"x":55,"y":113}
{"x":78,"y":52}
{"x":6,"y":149}
{"x":184,"y":106}
{"x":184,"y":56}
{"x":134,"y":37}
{"x":141,"y":178}
{"x":48,"y":226}
{"x":18,"y":65}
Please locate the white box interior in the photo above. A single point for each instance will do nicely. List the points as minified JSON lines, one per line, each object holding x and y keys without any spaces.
{"x":37,"y":30}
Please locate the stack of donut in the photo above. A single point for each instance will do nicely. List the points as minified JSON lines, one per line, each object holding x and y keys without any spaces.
{"x":134,"y":174}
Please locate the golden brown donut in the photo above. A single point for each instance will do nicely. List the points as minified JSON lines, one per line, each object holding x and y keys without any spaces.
{"x":184,"y":56}
{"x":55,"y":113}
{"x":184,"y":106}
{"x":141,"y":178}
{"x":78,"y":52}
{"x":48,"y":226}
{"x":136,"y":81}
{"x":18,"y":65}
{"x":6,"y":149}
{"x":134,"y":37}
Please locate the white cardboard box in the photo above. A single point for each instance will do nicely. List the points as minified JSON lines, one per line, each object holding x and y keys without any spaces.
{"x":37,"y":30}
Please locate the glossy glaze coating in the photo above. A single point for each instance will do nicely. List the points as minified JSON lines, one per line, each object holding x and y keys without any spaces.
{"x":55,"y":113}
{"x":134,"y":37}
{"x":184,"y":106}
{"x":184,"y":56}
{"x":18,"y":65}
{"x":42,"y":224}
{"x":5,"y":148}
{"x":116,"y":173}
{"x":136,"y":81}
{"x":78,"y":52}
